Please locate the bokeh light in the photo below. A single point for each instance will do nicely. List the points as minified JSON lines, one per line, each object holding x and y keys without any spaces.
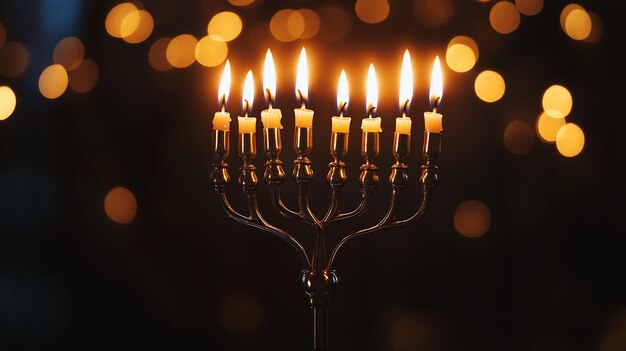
{"x":227,"y":25}
{"x":287,"y":25}
{"x":137,"y":28}
{"x":461,"y":54}
{"x":529,"y":7}
{"x":181,"y":51}
{"x":241,"y":2}
{"x":472,"y":219}
{"x":211,"y":51}
{"x":434,"y":13}
{"x":120,"y":205}
{"x":240,"y":314}
{"x":548,"y":127}
{"x":504,"y":17}
{"x":53,"y":81}
{"x":7,"y":102}
{"x":570,"y":140}
{"x":157,"y":54}
{"x":519,"y":137}
{"x":578,"y":24}
{"x":597,"y":28}
{"x":372,"y":11}
{"x":69,"y":53}
{"x":13,"y":59}
{"x":115,"y":17}
{"x":489,"y":86}
{"x":84,"y":77}
{"x":312,"y":23}
{"x":3,"y":34}
{"x":557,"y":101}
{"x":336,"y":23}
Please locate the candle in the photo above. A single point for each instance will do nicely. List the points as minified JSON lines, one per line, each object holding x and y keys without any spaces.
{"x":221,"y":120}
{"x":433,"y":120}
{"x":271,"y":116}
{"x":304,"y":117}
{"x":247,"y":124}
{"x":371,"y":124}
{"x":341,"y":124}
{"x":403,"y":124}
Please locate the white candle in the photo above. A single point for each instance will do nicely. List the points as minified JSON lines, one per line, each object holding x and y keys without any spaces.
{"x":433,"y":121}
{"x":303,"y":116}
{"x":341,"y":124}
{"x":271,"y":116}
{"x":371,"y":124}
{"x":403,"y":124}
{"x":247,"y":124}
{"x":221,"y":119}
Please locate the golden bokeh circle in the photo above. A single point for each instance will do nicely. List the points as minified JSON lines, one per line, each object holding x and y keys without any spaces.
{"x":53,"y":81}
{"x":279,"y":25}
{"x":312,"y":23}
{"x":472,"y":219}
{"x":548,"y":127}
{"x":13,"y":59}
{"x":570,"y":140}
{"x":529,"y":7}
{"x":8,"y":101}
{"x":181,"y":51}
{"x":142,"y":30}
{"x":84,"y":77}
{"x":120,"y":205}
{"x":557,"y":101}
{"x":69,"y":53}
{"x":460,"y":58}
{"x":504,"y":17}
{"x":115,"y":17}
{"x":578,"y":24}
{"x":241,"y":2}
{"x":157,"y":54}
{"x":372,"y":11}
{"x":227,"y":25}
{"x":489,"y":86}
{"x":211,"y":51}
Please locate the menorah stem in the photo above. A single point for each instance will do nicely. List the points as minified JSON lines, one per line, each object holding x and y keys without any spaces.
{"x":319,"y":250}
{"x":319,"y":286}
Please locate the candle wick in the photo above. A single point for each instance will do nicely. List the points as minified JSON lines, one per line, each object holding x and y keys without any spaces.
{"x":246,"y":108}
{"x":269,"y":97}
{"x":370,"y":112}
{"x":223,"y":102}
{"x":436,"y":104}
{"x":405,"y":107}
{"x":301,"y":98}
{"x":342,"y":109}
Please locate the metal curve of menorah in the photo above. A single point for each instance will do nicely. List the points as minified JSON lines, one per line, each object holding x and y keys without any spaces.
{"x":318,"y":278}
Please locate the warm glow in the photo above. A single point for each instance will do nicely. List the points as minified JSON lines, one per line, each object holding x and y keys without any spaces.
{"x":13,"y":59}
{"x":116,"y":16}
{"x":529,"y":7}
{"x":287,"y":25}
{"x":557,"y":101}
{"x":211,"y":51}
{"x":3,"y":34}
{"x":335,"y":23}
{"x":518,"y":137}
{"x":84,"y":77}
{"x":224,"y":90}
{"x":312,"y":23}
{"x":269,"y":78}
{"x":248,"y":93}
{"x":472,"y":219}
{"x":53,"y":81}
{"x":302,"y":79}
{"x":181,"y":51}
{"x":504,"y":17}
{"x":489,"y":86}
{"x":462,"y":53}
{"x":156,"y":55}
{"x":406,"y":83}
{"x":436,"y":84}
{"x":343,"y":95}
{"x":241,"y":2}
{"x":566,"y":11}
{"x":570,"y":140}
{"x":372,"y":11}
{"x":120,"y":205}
{"x":372,"y":90}
{"x":141,"y":30}
{"x":226,"y":24}
{"x":7,"y":102}
{"x":578,"y":24}
{"x":434,"y":13}
{"x":69,"y":53}
{"x":548,"y":127}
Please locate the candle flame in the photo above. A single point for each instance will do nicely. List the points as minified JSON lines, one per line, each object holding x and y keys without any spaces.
{"x":302,"y":79}
{"x":372,"y":90}
{"x":248,"y":93}
{"x":343,"y":96}
{"x":224,"y":90}
{"x":269,"y":78}
{"x":406,"y":83}
{"x":436,"y":84}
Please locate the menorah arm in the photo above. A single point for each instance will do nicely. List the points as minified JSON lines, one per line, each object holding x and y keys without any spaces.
{"x":279,"y":205}
{"x":360,"y":209}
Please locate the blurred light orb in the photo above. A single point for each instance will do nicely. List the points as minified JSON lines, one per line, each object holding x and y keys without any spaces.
{"x":434,"y":13}
{"x":3,"y":34}
{"x":489,"y":86}
{"x":157,"y":55}
{"x":570,"y":140}
{"x":120,"y":205}
{"x":566,"y":11}
{"x":336,"y":23}
{"x":519,"y":137}
{"x":597,"y":28}
{"x":287,"y":25}
{"x":53,"y":81}
{"x":472,"y":219}
{"x":69,"y":53}
{"x":7,"y":102}
{"x":115,"y":17}
{"x":241,"y":2}
{"x":295,"y":24}
{"x":529,"y":7}
{"x":557,"y":101}
{"x":461,"y":54}
{"x":372,"y":11}
{"x":578,"y":24}
{"x":13,"y":59}
{"x":312,"y":23}
{"x":211,"y":51}
{"x":84,"y":77}
{"x":548,"y":127}
{"x":181,"y":51}
{"x":504,"y":17}
{"x":141,"y":29}
{"x":227,"y":25}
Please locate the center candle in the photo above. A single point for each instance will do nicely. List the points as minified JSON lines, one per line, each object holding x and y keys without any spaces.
{"x":341,"y":124}
{"x":303,"y":116}
{"x":271,"y":116}
{"x":403,"y":124}
{"x":247,"y":124}
{"x":371,"y":124}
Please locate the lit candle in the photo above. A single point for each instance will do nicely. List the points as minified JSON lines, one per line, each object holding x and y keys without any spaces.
{"x":271,"y":116}
{"x":403,"y":124}
{"x":433,"y":120}
{"x":340,"y":123}
{"x":221,"y":120}
{"x":304,"y":117}
{"x":247,"y":124}
{"x":371,"y":124}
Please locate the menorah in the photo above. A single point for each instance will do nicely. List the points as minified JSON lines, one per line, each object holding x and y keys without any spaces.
{"x":318,"y":278}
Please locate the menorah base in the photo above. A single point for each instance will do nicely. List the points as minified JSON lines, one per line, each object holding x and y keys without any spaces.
{"x":319,"y":286}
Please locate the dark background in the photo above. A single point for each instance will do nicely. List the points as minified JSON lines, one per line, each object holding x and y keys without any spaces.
{"x":548,"y":275}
